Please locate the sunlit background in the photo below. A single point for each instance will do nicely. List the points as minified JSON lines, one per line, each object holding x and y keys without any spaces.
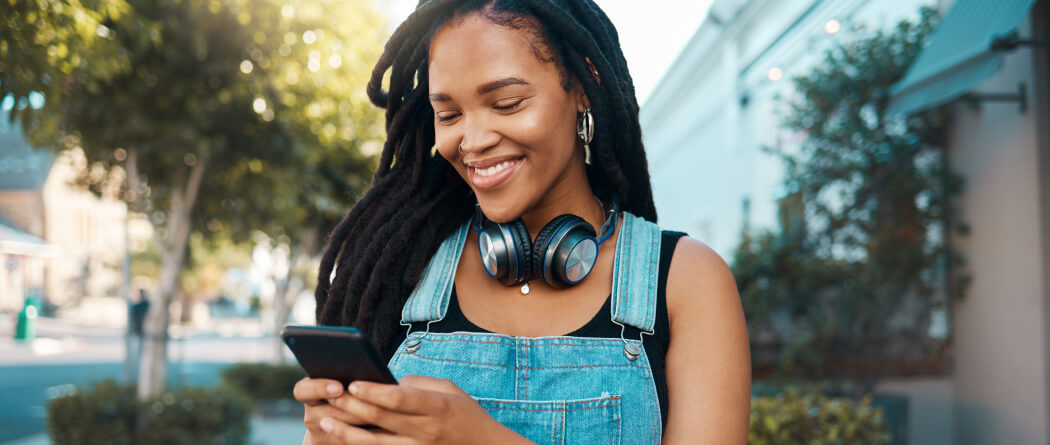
{"x":876,"y":173}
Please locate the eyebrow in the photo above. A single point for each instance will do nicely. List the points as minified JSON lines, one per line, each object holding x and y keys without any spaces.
{"x":493,"y":86}
{"x":484,"y":89}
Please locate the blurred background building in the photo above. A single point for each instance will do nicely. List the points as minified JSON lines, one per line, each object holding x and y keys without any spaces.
{"x":717,"y":106}
{"x":55,"y":237}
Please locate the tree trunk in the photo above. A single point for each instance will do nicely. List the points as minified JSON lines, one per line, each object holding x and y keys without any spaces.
{"x":287,"y":293}
{"x":172,"y":247}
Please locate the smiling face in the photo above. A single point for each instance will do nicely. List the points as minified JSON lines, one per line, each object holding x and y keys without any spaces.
{"x":509,"y":111}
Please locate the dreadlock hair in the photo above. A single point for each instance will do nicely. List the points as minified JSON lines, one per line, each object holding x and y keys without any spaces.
{"x":416,"y":200}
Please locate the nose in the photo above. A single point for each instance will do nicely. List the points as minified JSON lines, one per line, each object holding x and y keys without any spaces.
{"x":478,"y":135}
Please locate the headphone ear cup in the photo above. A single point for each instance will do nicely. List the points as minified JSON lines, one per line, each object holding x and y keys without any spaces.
{"x":545,"y":251}
{"x":523,"y":250}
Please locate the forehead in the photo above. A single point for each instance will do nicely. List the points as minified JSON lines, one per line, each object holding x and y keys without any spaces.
{"x":473,"y":49}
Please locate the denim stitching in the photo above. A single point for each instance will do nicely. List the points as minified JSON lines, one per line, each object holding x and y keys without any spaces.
{"x":408,"y":312}
{"x":612,"y":342}
{"x":599,"y":401}
{"x":625,"y":289}
{"x":623,"y":267}
{"x":560,"y":425}
{"x":517,"y":376}
{"x":617,"y":269}
{"x":650,"y":388}
{"x":654,"y":265}
{"x":549,"y":410}
{"x":643,"y":290}
{"x":525,"y":387}
{"x":526,"y":367}
{"x":447,"y":253}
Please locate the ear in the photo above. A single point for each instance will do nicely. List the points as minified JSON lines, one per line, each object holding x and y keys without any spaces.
{"x":582,"y":103}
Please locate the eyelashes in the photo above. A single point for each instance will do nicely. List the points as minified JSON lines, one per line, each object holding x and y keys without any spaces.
{"x":504,"y":106}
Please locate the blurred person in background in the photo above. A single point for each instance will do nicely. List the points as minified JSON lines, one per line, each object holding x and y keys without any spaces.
{"x":506,"y":259}
{"x":137,"y":311}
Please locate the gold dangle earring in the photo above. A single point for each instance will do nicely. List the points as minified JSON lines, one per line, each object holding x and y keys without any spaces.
{"x":585,"y":130}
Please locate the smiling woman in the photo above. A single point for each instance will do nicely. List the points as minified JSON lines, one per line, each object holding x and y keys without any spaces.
{"x":579,"y":321}
{"x":512,"y":139}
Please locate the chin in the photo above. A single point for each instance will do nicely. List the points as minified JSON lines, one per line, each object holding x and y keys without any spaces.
{"x":500,"y":210}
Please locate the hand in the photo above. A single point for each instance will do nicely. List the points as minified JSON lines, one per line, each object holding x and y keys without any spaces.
{"x":315,"y":393}
{"x":419,"y":410}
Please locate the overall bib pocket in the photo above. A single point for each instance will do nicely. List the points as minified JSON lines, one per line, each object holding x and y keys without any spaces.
{"x":558,"y":422}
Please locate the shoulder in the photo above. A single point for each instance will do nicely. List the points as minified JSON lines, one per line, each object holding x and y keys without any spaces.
{"x":698,"y":279}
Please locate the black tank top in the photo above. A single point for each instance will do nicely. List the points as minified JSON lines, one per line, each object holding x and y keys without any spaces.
{"x":601,"y":326}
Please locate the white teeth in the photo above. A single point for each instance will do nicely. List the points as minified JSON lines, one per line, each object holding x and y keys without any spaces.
{"x":486,"y":172}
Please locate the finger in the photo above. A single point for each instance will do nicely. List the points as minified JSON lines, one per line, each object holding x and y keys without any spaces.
{"x":319,"y":437}
{"x":314,"y":414}
{"x":431,"y":384}
{"x":355,"y":435}
{"x":313,"y":391}
{"x":399,"y":398}
{"x":338,"y":405}
{"x":371,"y":414}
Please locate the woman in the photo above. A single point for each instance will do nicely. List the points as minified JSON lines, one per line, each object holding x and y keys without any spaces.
{"x":506,"y":321}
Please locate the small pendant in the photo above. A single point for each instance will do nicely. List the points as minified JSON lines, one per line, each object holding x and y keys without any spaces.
{"x":525,"y":289}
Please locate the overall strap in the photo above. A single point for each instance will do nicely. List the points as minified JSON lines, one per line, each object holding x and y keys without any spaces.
{"x":636,"y":273}
{"x":429,"y":300}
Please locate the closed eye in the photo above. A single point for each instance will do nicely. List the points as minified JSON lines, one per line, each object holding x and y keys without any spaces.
{"x":446,"y":116}
{"x":508,"y":104}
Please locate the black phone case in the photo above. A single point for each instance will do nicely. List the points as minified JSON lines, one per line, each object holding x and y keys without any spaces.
{"x":337,"y":353}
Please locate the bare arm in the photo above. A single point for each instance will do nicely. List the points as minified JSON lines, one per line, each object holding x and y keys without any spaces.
{"x":708,"y":361}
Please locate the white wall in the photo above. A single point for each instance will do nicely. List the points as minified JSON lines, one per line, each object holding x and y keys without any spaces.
{"x":999,"y":329}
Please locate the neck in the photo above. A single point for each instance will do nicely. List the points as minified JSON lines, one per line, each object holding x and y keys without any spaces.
{"x":577,"y":199}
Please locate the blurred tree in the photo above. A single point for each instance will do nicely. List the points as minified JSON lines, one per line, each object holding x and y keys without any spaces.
{"x":316,"y":56}
{"x":861,"y":259}
{"x":220,"y":117}
{"x":43,"y":43}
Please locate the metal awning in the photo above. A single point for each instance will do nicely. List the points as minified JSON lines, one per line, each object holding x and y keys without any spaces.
{"x":14,"y":241}
{"x":960,"y":53}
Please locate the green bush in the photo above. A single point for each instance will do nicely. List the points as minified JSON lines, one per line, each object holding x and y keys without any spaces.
{"x":108,"y":412}
{"x":793,"y":418}
{"x":262,"y":381}
{"x":103,"y":415}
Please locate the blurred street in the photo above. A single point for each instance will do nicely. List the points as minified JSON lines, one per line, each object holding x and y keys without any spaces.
{"x":64,"y":355}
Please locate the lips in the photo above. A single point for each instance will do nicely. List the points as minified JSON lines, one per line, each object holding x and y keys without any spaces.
{"x":491,"y":173}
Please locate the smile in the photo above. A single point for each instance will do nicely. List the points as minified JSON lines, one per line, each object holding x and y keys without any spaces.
{"x":484,"y":173}
{"x":491,"y":176}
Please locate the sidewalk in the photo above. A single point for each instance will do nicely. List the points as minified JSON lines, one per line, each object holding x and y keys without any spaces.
{"x":62,"y":342}
{"x":269,"y":431}
{"x":65,"y":352}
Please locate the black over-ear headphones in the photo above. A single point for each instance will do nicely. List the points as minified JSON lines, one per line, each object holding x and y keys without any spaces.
{"x":563,"y":254}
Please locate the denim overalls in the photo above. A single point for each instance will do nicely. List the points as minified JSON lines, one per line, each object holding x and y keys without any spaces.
{"x":552,"y":390}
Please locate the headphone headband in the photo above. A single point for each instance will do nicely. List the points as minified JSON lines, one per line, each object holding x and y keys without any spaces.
{"x":610,"y":223}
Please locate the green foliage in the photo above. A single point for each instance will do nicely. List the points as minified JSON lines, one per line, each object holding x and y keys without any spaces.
{"x":43,"y":44}
{"x":847,"y":285}
{"x":105,"y":414}
{"x":268,"y":95}
{"x":794,"y":418}
{"x":262,"y":381}
{"x":108,"y":412}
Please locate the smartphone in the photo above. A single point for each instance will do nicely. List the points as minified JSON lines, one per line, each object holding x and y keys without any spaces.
{"x":337,"y":353}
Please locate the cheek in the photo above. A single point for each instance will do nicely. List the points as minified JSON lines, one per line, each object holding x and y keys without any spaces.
{"x":446,"y":146}
{"x":550,"y":131}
